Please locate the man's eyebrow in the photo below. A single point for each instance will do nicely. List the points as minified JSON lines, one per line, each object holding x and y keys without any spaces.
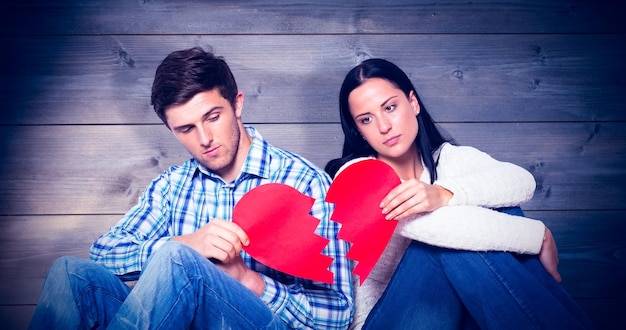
{"x":212,"y":110}
{"x":204,"y":116}
{"x":178,"y":128}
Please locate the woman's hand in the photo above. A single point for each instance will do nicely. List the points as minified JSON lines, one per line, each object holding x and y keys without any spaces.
{"x":413,"y":197}
{"x":219,"y":240}
{"x":548,"y":255}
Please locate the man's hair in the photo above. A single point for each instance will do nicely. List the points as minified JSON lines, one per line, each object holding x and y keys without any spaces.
{"x":185,"y":73}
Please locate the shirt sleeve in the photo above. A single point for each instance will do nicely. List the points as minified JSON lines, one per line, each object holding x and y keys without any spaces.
{"x":475,"y":178}
{"x":315,"y":305}
{"x":125,"y":248}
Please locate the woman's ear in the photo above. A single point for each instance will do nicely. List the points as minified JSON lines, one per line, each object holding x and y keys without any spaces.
{"x":414,"y":103}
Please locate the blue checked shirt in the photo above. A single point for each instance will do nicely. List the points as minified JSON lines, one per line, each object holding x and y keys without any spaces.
{"x":184,"y":198}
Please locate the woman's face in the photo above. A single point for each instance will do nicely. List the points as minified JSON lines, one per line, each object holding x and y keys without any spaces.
{"x":385,"y":117}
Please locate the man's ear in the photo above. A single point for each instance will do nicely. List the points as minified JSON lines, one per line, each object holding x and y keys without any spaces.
{"x":238,"y":105}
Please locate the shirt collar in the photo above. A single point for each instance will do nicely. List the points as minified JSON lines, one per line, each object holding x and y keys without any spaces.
{"x":258,"y":160}
{"x":256,"y":163}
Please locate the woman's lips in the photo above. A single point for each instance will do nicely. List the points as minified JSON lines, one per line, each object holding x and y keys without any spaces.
{"x":391,"y":141}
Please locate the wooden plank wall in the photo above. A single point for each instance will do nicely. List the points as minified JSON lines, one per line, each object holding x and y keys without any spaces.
{"x":538,"y":83}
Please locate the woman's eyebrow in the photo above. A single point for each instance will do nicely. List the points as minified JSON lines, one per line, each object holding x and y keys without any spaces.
{"x":362,"y":114}
{"x":387,"y":100}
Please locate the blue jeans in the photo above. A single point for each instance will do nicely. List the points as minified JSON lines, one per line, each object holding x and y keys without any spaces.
{"x":178,"y":289}
{"x":438,"y":288}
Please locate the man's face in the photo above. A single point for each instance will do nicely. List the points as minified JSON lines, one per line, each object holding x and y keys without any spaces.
{"x":210,"y":129}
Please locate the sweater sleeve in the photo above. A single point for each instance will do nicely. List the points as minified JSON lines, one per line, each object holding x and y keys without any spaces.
{"x":479,"y":182}
{"x":474,"y":228}
{"x":475,"y":178}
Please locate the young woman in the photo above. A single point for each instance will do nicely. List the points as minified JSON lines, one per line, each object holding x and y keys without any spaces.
{"x":433,"y":274}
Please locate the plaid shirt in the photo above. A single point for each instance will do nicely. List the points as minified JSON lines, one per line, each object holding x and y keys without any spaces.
{"x":184,"y":198}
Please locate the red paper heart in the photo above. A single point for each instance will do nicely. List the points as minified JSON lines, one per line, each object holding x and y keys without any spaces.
{"x":356,"y":193}
{"x":282,"y":232}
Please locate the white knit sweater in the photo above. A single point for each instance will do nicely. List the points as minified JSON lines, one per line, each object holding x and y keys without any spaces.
{"x":478,"y":183}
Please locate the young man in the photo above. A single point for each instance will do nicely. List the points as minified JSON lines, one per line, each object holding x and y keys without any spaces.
{"x":179,"y":240}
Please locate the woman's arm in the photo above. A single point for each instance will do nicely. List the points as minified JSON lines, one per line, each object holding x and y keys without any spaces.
{"x":464,"y":171}
{"x":474,"y":228}
{"x":476,"y":178}
{"x":465,"y":176}
{"x":469,"y":227}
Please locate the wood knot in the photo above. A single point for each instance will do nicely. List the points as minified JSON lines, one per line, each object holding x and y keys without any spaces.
{"x":124,"y":59}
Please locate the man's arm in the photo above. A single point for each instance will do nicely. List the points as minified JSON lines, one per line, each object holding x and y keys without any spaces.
{"x":125,"y":248}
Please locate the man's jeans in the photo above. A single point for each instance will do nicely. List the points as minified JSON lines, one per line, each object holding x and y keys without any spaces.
{"x":437,"y":288}
{"x":179,"y":289}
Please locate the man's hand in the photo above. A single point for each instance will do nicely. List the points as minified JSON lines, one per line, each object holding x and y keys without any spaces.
{"x":222,"y":242}
{"x":414,"y":197}
{"x":246,"y":276}
{"x":219,"y":240}
{"x":549,"y":256}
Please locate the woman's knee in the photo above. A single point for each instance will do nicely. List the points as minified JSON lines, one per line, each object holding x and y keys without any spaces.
{"x":421,"y":253}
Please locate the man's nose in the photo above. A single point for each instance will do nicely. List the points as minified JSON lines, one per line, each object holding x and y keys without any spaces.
{"x":205,"y":136}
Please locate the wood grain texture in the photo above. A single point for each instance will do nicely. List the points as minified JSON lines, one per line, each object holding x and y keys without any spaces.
{"x":591,"y":250}
{"x":475,"y":78}
{"x":607,"y":313}
{"x":538,"y":83}
{"x":16,"y":316}
{"x":320,"y":17}
{"x":82,"y":169}
{"x":30,"y":244}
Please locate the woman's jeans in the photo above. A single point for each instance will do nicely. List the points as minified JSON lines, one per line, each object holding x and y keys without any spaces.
{"x":179,"y":289}
{"x":437,"y":288}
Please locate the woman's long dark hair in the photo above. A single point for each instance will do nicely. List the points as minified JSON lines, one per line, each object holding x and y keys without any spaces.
{"x":429,"y":137}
